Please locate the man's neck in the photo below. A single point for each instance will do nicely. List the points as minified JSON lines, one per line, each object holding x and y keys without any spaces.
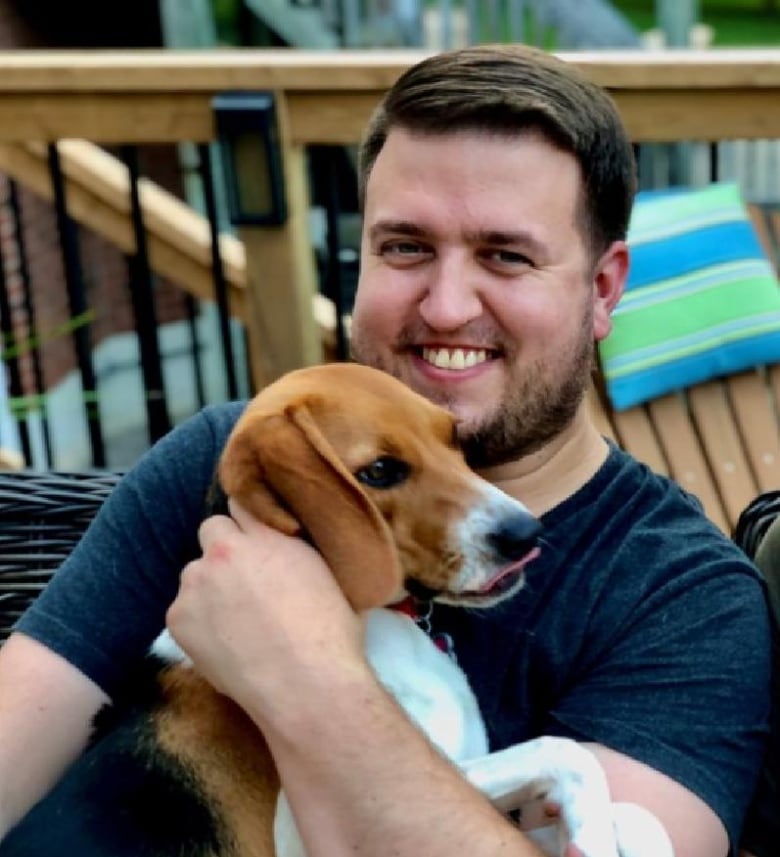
{"x":547,"y":477}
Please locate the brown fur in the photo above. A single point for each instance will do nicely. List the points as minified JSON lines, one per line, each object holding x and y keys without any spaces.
{"x":227,"y":754}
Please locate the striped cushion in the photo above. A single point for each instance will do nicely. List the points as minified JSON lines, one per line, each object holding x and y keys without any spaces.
{"x":701,"y":300}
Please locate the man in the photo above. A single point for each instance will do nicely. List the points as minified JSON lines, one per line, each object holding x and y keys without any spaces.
{"x":497,"y":187}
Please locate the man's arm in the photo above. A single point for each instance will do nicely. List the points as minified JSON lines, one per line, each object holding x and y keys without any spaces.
{"x":362,"y":779}
{"x":692,"y":826}
{"x":46,"y":711}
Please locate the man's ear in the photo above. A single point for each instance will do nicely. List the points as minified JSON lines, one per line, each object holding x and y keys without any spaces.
{"x":609,"y":280}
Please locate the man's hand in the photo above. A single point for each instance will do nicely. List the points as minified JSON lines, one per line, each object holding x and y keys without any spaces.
{"x":261,"y":615}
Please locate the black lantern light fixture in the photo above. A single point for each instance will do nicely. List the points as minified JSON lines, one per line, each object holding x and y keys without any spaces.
{"x":251,"y":156}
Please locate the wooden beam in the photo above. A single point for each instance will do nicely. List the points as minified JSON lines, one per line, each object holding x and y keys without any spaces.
{"x":97,"y":196}
{"x":652,"y":115}
{"x":131,"y":117}
{"x":282,"y":280}
{"x":158,"y":96}
{"x":118,"y":71}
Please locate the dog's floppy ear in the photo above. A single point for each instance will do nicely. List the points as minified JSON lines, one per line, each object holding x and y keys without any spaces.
{"x":283,"y":470}
{"x":242,"y":475}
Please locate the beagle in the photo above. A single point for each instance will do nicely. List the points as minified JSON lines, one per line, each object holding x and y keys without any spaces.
{"x":370,"y":472}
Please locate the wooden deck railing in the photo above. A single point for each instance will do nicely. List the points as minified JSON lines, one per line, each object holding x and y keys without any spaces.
{"x":151,"y":97}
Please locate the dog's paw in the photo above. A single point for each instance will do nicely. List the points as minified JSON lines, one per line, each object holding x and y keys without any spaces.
{"x":579,"y":788}
{"x":640,"y":833}
{"x":555,"y":771}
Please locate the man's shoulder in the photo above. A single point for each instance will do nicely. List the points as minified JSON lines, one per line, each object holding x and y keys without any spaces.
{"x":221,"y":417}
{"x":632,"y":527}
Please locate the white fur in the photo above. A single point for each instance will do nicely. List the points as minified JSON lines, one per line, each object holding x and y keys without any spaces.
{"x":167,"y":649}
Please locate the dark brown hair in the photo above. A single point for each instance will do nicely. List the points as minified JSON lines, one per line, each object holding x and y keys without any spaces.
{"x":509,"y":89}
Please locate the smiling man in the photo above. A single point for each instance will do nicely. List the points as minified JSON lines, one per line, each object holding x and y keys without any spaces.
{"x":497,"y":188}
{"x":480,"y":291}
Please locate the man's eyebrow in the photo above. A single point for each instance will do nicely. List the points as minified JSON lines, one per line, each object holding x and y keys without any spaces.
{"x":396,"y":227}
{"x":502,"y":238}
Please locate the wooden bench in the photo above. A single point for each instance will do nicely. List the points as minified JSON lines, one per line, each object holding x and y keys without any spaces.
{"x":720,"y":440}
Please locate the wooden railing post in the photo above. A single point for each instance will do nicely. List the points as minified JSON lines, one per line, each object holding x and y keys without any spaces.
{"x":281,"y":276}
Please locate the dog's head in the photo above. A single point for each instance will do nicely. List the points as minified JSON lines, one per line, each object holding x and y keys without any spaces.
{"x":371,"y":472}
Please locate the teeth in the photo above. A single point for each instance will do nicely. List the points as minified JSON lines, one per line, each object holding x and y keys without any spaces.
{"x":455,"y":358}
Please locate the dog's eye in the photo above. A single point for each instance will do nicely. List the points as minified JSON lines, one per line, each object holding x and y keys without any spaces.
{"x":385,"y":472}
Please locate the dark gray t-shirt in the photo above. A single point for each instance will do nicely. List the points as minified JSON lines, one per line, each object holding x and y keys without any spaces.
{"x":641,"y":627}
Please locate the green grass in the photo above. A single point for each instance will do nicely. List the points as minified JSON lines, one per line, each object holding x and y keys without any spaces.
{"x":736,"y":23}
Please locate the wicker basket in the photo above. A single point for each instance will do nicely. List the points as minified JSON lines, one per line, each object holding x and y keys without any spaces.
{"x":42,"y":516}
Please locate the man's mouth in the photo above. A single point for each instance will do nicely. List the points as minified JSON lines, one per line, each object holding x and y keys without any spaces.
{"x":455,"y":359}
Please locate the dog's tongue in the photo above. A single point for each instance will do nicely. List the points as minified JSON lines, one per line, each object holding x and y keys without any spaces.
{"x":506,"y":577}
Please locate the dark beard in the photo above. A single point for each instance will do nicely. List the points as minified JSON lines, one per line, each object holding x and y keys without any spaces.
{"x":535,"y":414}
{"x":531,"y":416}
{"x":517,"y":432}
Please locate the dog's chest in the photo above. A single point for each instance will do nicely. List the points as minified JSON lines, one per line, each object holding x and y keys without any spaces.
{"x":426,"y":683}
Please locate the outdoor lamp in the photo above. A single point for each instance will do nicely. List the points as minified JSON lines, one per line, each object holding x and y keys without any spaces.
{"x":251,"y":157}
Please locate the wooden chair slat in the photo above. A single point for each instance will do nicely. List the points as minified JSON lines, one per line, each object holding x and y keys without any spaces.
{"x":684,"y":454}
{"x":762,"y":223}
{"x":755,"y":414}
{"x":719,"y":440}
{"x":773,"y":373}
{"x":722,"y":446}
{"x":636,"y":435}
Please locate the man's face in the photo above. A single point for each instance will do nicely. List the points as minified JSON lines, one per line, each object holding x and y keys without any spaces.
{"x":476,"y":286}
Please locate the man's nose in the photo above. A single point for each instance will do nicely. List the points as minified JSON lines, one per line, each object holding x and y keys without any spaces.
{"x":451,"y":297}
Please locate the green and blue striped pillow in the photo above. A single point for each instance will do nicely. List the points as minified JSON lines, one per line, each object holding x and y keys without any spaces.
{"x":701,"y":300}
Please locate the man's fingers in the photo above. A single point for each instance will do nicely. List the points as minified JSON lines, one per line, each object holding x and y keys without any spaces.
{"x":244,"y":518}
{"x":214,"y":528}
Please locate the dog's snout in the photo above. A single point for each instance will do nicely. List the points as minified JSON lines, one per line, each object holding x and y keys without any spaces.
{"x":515,"y":537}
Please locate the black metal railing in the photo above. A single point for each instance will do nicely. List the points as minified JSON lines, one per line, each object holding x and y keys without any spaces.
{"x":24,"y":342}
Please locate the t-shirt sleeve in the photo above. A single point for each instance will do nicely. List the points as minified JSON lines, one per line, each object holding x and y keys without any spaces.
{"x":680,"y":681}
{"x":107,"y":602}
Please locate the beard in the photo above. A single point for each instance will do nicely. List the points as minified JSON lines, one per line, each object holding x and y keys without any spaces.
{"x":534,"y":412}
{"x":541,"y":403}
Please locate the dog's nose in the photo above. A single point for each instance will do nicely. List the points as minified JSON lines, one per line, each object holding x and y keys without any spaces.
{"x":515,"y":536}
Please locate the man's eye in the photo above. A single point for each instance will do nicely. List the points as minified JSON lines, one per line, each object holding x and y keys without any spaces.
{"x":384,"y":472}
{"x":401,"y":248}
{"x":507,"y":257}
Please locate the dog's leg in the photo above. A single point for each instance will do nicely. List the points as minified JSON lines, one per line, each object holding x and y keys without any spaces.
{"x":640,"y":833}
{"x":558,"y":771}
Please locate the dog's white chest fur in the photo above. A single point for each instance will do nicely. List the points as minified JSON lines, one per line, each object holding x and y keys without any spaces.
{"x":426,"y":683}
